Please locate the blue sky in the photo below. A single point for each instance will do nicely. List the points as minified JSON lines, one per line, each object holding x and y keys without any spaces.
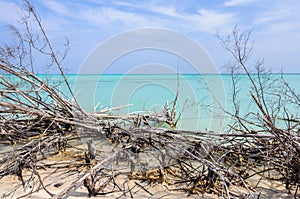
{"x":86,"y":23}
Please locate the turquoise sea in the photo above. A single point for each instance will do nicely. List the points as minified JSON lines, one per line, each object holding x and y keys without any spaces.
{"x":202,"y":99}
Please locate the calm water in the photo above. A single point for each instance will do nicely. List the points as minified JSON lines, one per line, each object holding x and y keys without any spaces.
{"x":202,"y":99}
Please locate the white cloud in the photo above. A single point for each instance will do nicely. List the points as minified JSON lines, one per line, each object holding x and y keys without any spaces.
{"x":203,"y":20}
{"x":281,"y":19}
{"x":207,"y":21}
{"x":238,"y":2}
{"x":98,"y":16}
{"x":10,"y":12}
{"x":168,"y":11}
{"x":282,"y":12}
{"x":214,"y":21}
{"x":278,"y":33}
{"x":145,"y":14}
{"x":114,"y":18}
{"x":127,"y":4}
{"x":273,"y":16}
{"x":60,"y":8}
{"x":282,"y":32}
{"x":141,"y":14}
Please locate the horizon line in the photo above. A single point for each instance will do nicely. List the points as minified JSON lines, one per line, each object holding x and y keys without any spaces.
{"x":276,"y":73}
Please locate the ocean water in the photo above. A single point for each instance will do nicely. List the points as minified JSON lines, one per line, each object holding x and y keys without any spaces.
{"x":202,"y":99}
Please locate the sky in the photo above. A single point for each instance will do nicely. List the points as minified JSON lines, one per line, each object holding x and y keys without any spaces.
{"x":90,"y":23}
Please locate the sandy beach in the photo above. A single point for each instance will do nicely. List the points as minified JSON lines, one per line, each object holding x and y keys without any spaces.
{"x":57,"y":180}
{"x":266,"y":190}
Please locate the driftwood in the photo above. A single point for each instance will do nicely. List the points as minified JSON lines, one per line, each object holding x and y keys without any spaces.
{"x":193,"y":162}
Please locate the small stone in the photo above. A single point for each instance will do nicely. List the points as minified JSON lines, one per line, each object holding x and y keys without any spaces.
{"x":58,"y":184}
